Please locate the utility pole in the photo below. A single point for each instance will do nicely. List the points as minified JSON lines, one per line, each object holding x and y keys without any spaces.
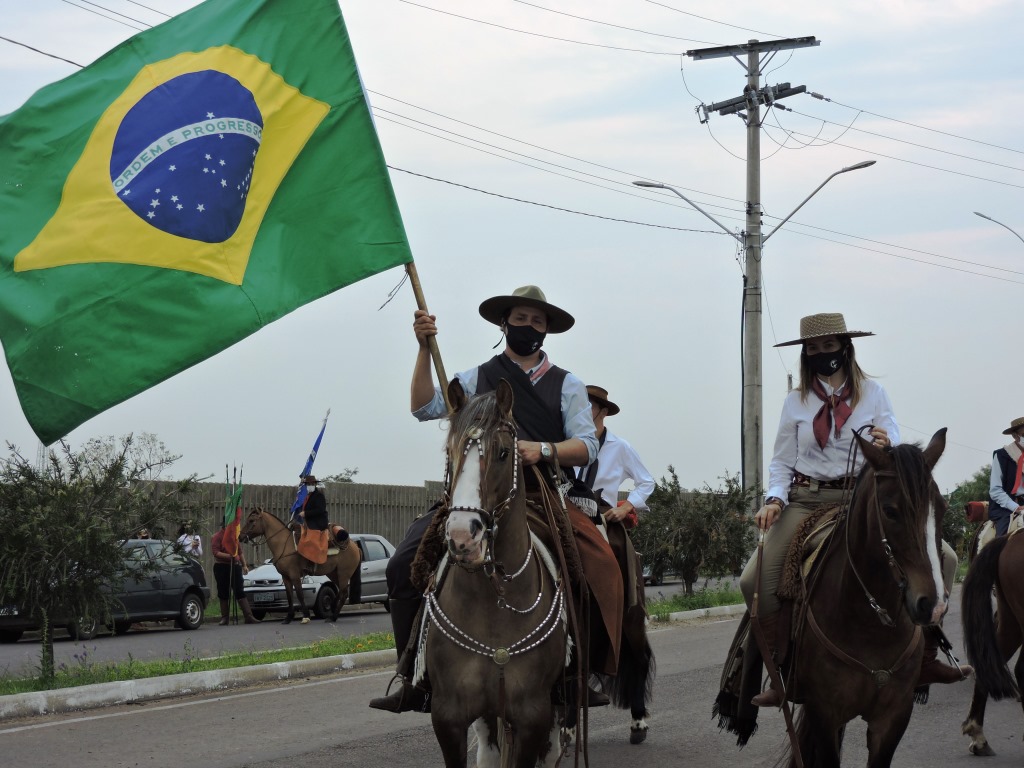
{"x":751,"y":100}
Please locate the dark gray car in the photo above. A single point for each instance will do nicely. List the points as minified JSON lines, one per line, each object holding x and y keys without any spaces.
{"x":165,"y":584}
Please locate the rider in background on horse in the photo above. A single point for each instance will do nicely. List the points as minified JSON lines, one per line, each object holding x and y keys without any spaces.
{"x":553,"y":416}
{"x":1006,"y":486}
{"x":616,"y":462}
{"x":809,"y":470}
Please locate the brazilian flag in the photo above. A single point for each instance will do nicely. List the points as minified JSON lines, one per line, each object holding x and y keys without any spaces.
{"x":199,"y":181}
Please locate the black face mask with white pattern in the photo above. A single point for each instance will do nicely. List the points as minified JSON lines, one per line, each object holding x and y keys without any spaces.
{"x":827,"y":363}
{"x":524,"y":340}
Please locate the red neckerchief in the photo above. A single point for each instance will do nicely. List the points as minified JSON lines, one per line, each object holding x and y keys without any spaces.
{"x":834,"y":407}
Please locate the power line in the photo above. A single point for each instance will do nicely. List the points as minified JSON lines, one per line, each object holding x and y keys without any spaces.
{"x":609,"y":24}
{"x":914,"y":125}
{"x":713,"y":21}
{"x":538,"y":34}
{"x":116,"y":13}
{"x":154,"y":10}
{"x":102,"y":16}
{"x":554,"y":207}
{"x":543,"y":148}
{"x":44,"y":53}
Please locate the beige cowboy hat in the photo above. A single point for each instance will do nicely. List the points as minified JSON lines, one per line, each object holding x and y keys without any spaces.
{"x":1014,"y":426}
{"x":821,"y":325}
{"x":493,"y":309}
{"x":599,"y":395}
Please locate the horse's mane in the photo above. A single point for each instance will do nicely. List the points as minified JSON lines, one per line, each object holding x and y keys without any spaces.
{"x":913,"y":473}
{"x":479,"y":413}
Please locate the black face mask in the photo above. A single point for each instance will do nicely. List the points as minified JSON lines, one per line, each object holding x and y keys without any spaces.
{"x":827,"y":363}
{"x":524,"y":340}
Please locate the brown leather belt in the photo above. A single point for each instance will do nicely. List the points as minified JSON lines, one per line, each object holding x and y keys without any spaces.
{"x":803,"y":481}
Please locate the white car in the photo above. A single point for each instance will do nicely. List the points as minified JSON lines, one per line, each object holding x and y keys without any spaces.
{"x":265,"y":588}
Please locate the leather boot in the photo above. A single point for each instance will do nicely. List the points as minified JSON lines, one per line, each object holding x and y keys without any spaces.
{"x":933,"y":670}
{"x":225,"y":612}
{"x":771,"y":697}
{"x":407,"y":697}
{"x":243,"y":603}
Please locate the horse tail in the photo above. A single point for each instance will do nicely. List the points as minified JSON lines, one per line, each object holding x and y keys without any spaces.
{"x":633,"y":686}
{"x":814,"y":749}
{"x":990,"y":668}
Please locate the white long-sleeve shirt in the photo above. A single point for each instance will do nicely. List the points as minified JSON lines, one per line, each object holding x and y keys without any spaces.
{"x":797,"y":450}
{"x":995,"y":487}
{"x":616,"y":463}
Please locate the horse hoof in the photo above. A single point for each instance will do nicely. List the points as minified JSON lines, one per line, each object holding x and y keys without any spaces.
{"x":305,"y":620}
{"x":637,"y":735}
{"x":982,"y":750}
{"x":287,"y":621}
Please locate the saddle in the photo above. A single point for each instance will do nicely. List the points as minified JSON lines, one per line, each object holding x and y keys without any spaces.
{"x":316,"y":545}
{"x":987,"y":534}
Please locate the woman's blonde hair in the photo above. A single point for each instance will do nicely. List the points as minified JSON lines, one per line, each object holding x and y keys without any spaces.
{"x":854,"y":374}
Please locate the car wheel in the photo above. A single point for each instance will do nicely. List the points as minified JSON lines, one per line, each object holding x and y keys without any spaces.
{"x":191,"y":614}
{"x":122,"y":627}
{"x":259,"y":614}
{"x":324,"y":603}
{"x":10,"y":635}
{"x":83,"y":629}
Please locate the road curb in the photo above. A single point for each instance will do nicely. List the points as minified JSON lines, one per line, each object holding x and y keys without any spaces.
{"x":152,"y":688}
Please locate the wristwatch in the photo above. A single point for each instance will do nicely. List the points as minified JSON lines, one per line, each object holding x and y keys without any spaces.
{"x":775,"y":500}
{"x":545,"y":450}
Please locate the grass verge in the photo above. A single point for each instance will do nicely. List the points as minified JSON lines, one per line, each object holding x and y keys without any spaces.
{"x":84,"y":671}
{"x":704,"y":598}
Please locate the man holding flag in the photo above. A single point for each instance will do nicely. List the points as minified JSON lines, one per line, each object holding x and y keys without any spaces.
{"x":229,"y":564}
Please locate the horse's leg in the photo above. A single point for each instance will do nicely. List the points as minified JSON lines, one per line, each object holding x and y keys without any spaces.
{"x":452,"y":738}
{"x":296,"y":585}
{"x":488,"y":755}
{"x":974,"y":724}
{"x":885,"y":732}
{"x":535,"y":739}
{"x":820,"y":740}
{"x":291,"y":602}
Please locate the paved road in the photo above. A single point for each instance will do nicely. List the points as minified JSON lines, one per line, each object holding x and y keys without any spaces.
{"x":324,"y":723}
{"x":162,"y":641}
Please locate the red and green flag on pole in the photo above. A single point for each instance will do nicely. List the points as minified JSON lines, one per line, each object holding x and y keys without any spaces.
{"x":199,"y":181}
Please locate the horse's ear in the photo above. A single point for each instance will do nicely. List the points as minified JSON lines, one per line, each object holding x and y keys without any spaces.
{"x":874,"y":455}
{"x":935,"y":448}
{"x":505,"y":398}
{"x":456,"y":394}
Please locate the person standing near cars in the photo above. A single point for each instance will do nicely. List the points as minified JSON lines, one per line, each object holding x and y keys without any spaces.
{"x":228,"y":570}
{"x":189,"y":541}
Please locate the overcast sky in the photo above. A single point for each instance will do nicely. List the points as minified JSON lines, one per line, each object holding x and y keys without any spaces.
{"x":927,"y":89}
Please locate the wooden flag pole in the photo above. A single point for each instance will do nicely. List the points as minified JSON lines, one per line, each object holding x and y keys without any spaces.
{"x":435,"y":352}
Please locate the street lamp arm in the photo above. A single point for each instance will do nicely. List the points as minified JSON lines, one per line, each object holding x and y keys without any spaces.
{"x":855,"y":167}
{"x":655,"y":185}
{"x":1000,"y":224}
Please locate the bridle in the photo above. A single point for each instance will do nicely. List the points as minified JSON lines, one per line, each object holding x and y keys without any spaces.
{"x":490,"y":518}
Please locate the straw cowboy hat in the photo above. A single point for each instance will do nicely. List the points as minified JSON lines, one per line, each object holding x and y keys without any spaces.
{"x":1014,"y":426}
{"x":309,"y":480}
{"x":493,"y":309}
{"x":599,"y":395}
{"x":821,"y":325}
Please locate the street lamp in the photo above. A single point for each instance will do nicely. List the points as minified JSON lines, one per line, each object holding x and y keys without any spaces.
{"x":752,"y":241}
{"x":997,"y":222}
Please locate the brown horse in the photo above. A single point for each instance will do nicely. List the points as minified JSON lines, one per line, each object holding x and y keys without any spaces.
{"x":339,"y":568}
{"x":853,"y":658}
{"x":496,"y":640}
{"x":992,"y":640}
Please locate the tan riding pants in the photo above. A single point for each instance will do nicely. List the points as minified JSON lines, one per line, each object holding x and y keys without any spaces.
{"x":802,"y":502}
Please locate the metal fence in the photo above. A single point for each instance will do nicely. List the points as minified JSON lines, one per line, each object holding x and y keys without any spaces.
{"x":386,"y":510}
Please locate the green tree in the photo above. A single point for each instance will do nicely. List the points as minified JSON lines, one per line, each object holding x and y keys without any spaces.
{"x":705,"y":532}
{"x":345,"y":476}
{"x":955,"y":527}
{"x":63,"y":524}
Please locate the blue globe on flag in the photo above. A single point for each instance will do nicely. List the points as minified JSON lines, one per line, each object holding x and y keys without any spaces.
{"x":183,"y":156}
